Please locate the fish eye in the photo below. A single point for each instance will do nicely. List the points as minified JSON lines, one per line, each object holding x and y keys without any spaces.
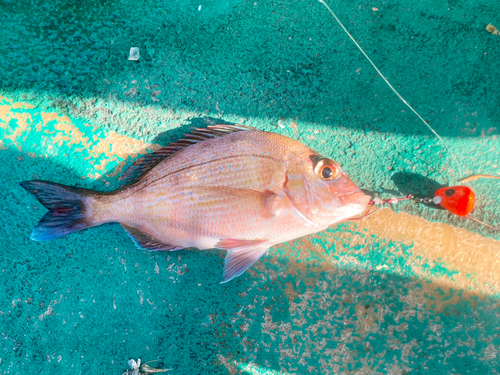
{"x":326,"y":169}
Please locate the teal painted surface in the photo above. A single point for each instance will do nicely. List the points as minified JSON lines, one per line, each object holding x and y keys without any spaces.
{"x":88,"y":302}
{"x":258,"y":62}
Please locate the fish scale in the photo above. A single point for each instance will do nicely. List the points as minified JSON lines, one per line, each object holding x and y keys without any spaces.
{"x":230,"y":187}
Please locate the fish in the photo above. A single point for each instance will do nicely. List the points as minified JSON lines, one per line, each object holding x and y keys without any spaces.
{"x":230,"y":187}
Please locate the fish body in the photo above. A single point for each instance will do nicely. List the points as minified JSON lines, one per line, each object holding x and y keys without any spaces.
{"x":229,"y":187}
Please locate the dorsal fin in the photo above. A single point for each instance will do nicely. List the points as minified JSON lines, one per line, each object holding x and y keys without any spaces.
{"x":139,"y":168}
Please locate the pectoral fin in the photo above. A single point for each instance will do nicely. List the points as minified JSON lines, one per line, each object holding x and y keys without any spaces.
{"x":269,"y":203}
{"x":242,"y":258}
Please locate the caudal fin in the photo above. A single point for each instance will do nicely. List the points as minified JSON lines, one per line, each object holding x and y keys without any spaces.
{"x":67,"y":209}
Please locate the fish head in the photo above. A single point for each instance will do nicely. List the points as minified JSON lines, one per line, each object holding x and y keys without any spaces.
{"x":321,"y":191}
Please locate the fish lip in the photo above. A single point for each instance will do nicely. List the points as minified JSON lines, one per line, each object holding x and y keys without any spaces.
{"x":348,"y":198}
{"x":359,"y":192}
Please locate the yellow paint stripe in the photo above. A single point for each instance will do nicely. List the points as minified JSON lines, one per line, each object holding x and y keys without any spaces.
{"x":475,"y":257}
{"x":459,"y":249}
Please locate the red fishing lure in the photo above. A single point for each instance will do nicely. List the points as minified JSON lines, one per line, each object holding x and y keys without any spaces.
{"x":459,"y":200}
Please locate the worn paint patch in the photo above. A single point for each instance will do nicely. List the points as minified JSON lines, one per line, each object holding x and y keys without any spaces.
{"x":445,"y":248}
{"x":466,"y":262}
{"x":48,"y":134}
{"x":348,"y":316}
{"x":355,"y":320}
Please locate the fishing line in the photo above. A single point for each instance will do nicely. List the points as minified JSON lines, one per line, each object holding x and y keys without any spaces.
{"x":392,"y":88}
{"x":459,"y":200}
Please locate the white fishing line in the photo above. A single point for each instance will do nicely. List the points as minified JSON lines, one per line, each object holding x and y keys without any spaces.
{"x":392,"y":88}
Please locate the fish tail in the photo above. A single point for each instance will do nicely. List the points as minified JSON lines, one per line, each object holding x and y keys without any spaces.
{"x":68,"y":209}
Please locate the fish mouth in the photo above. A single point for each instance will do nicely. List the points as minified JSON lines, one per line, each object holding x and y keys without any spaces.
{"x":357,"y":201}
{"x":346,"y":206}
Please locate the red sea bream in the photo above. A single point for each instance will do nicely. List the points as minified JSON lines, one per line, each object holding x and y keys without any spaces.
{"x":229,"y":187}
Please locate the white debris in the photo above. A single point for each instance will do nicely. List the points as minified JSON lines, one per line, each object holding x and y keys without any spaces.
{"x":134,"y":54}
{"x":134,"y":367}
{"x":199,"y":8}
{"x":137,"y":369}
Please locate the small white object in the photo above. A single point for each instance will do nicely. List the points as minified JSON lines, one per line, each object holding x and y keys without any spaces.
{"x":134,"y":54}
{"x":393,"y":200}
{"x":199,"y":8}
{"x":377,"y":201}
{"x":134,"y":367}
{"x":437,"y":200}
{"x":133,"y":364}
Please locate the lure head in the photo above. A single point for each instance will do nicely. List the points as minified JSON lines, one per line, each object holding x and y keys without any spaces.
{"x":459,"y":200}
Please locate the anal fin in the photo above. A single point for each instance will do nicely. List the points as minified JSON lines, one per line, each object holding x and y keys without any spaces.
{"x":241,"y":255}
{"x":147,"y":242}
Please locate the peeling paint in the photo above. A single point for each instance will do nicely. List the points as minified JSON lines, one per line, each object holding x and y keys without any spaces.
{"x":60,"y":136}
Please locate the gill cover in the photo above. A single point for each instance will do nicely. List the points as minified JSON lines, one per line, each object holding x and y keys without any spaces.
{"x":323,"y":193}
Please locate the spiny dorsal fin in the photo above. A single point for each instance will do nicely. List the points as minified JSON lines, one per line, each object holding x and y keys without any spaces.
{"x":147,"y":162}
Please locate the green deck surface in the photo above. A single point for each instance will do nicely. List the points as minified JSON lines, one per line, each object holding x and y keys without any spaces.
{"x":341,"y":302}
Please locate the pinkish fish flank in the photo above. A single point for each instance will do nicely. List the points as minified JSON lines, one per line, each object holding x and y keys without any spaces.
{"x":229,"y":187}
